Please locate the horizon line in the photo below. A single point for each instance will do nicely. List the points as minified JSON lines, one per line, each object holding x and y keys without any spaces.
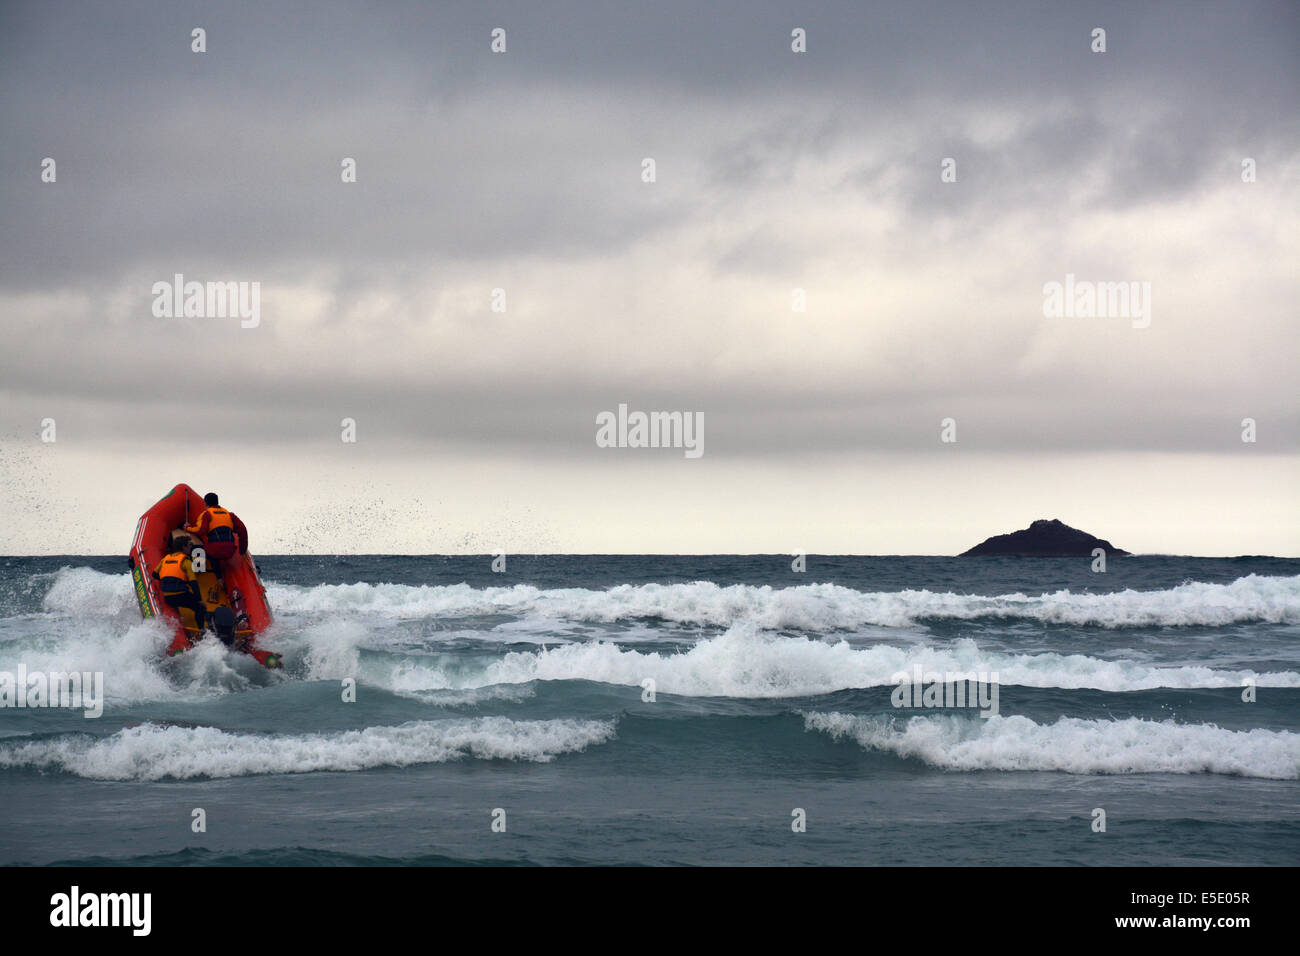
{"x":682,"y":554}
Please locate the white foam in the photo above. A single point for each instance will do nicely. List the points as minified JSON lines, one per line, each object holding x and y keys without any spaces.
{"x":153,"y":752}
{"x":745,"y":662}
{"x":810,"y":607}
{"x":88,"y":593}
{"x":131,"y":658}
{"x":331,"y":651}
{"x":1071,"y":744}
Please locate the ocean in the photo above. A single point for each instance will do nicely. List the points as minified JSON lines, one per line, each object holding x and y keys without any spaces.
{"x":695,"y":710}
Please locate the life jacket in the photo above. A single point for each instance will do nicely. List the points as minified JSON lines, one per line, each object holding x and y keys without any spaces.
{"x":218,"y":518}
{"x":173,"y":566}
{"x":221,"y":527}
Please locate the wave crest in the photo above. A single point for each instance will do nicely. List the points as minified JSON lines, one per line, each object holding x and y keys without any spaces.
{"x":154,"y":752}
{"x":1071,"y":744}
{"x":812,"y":607}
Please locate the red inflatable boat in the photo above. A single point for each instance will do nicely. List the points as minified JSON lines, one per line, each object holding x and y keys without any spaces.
{"x":235,"y":601}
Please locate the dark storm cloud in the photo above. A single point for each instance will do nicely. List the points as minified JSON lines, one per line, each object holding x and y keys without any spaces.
{"x":237,"y":150}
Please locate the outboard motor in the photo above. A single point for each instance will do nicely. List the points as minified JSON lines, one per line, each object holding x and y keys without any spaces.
{"x":223,"y":621}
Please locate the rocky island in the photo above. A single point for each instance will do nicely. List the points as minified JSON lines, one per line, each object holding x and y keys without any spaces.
{"x":1043,"y":539}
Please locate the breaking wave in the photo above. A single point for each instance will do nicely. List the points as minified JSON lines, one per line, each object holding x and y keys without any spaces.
{"x":157,"y":752}
{"x":1071,"y":744}
{"x":812,"y":607}
{"x":809,"y":607}
{"x":744,"y":662}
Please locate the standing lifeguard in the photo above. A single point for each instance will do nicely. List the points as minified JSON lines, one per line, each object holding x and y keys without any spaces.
{"x":222,"y":532}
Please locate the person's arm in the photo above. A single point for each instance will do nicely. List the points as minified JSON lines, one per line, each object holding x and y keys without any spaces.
{"x":241,"y":532}
{"x":154,"y":573}
{"x":188,"y":567}
{"x":201,"y":526}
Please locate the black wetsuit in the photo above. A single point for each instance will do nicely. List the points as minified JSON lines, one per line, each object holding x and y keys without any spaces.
{"x":180,"y":593}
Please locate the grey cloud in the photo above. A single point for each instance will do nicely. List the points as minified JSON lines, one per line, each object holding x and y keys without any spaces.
{"x":226,"y":166}
{"x":233,"y":154}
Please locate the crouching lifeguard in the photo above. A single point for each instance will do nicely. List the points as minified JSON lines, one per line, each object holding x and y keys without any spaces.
{"x":180,"y":585}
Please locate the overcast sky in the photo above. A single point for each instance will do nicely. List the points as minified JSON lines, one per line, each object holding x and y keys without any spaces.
{"x":775,"y":171}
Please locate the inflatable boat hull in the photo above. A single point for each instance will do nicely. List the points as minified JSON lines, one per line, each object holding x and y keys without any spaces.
{"x":239,"y":588}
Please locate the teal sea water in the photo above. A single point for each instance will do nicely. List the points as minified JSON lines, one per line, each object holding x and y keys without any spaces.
{"x":530,"y":692}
